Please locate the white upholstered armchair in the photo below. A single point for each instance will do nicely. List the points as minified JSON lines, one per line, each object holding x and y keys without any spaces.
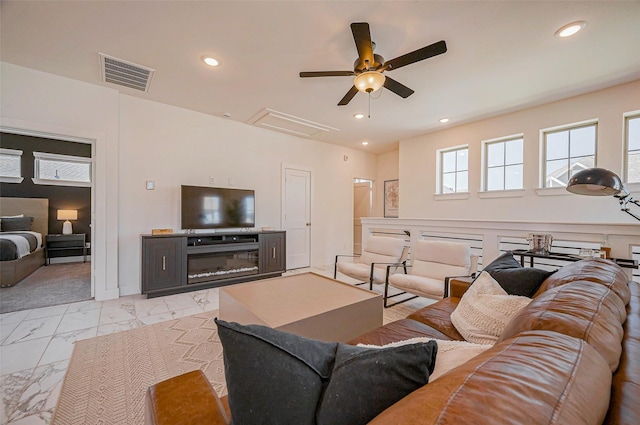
{"x":432,"y":264}
{"x":378,"y":253}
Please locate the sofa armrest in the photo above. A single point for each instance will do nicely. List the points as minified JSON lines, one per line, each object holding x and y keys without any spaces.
{"x":187,"y":399}
{"x":459,"y":285}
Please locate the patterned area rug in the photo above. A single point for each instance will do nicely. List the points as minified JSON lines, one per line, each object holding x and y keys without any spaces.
{"x":108,"y":376}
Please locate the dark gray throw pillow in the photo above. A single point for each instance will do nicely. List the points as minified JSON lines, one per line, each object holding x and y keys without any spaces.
{"x":515,"y":279}
{"x":365,"y":381}
{"x":16,"y":224}
{"x":274,"y":377}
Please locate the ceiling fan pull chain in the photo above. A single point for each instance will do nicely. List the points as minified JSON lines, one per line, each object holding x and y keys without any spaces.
{"x":369,"y":105}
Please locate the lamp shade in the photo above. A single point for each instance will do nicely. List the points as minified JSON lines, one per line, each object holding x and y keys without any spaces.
{"x":369,"y":81}
{"x":67,"y":214}
{"x":595,"y":182}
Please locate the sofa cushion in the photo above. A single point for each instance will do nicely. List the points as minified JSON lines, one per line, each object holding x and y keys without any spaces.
{"x":451,"y":354}
{"x":419,"y":285}
{"x":274,"y":377}
{"x":362,"y":271}
{"x":382,"y":249}
{"x":485,"y":310}
{"x":438,"y":316}
{"x":538,"y":377}
{"x":581,"y":309}
{"x":440,"y":259}
{"x":603,"y":272}
{"x":399,"y":330}
{"x":514,"y":278}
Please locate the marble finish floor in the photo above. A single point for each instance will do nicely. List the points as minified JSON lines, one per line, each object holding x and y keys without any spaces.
{"x":36,"y":345}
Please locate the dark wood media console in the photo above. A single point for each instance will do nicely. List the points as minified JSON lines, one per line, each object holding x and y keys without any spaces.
{"x":177,"y":263}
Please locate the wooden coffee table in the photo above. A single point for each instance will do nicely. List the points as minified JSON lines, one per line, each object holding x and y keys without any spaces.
{"x":306,"y":304}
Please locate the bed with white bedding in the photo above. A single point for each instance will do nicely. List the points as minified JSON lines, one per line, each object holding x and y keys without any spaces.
{"x":21,"y":248}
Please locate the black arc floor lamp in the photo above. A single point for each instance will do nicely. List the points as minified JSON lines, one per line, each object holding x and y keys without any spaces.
{"x":602,"y":182}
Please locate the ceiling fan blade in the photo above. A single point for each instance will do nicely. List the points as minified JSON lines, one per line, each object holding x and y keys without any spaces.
{"x":362,"y":37}
{"x":417,"y":55}
{"x":398,"y":88}
{"x":327,"y":74}
{"x":347,"y":97}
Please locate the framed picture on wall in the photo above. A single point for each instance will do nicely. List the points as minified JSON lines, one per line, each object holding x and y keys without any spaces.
{"x":391,"y":198}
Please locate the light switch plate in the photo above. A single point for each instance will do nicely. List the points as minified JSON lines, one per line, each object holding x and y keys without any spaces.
{"x":151,"y":185}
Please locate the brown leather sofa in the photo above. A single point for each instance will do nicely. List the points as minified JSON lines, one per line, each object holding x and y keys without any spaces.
{"x":572,"y":356}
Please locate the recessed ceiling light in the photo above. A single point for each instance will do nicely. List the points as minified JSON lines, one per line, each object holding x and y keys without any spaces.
{"x":570,"y":29}
{"x":365,"y":143}
{"x":210,"y":61}
{"x":358,"y":116}
{"x":444,"y":120}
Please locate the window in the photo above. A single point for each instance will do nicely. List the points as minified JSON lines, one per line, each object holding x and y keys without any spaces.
{"x":567,"y":152}
{"x":62,"y":170}
{"x":632,"y":127}
{"x":503,"y":164}
{"x":10,"y":166}
{"x":454,"y":164}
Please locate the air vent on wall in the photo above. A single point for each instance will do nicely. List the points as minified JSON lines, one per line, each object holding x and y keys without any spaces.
{"x":123,"y":73}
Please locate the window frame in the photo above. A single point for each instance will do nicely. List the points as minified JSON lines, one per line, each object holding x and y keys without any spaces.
{"x":441,"y":173}
{"x":543,"y":148}
{"x":14,"y":153}
{"x":628,"y":116}
{"x":37,"y":156}
{"x":485,"y":163}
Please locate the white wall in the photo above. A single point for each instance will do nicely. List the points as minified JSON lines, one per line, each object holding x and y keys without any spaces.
{"x":174,"y":146}
{"x":417,"y":160}
{"x":139,"y":140}
{"x":34,"y":102}
{"x":387,"y":169}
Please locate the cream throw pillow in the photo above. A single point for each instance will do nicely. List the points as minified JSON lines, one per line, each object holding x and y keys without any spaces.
{"x":485,"y":310}
{"x":451,"y":354}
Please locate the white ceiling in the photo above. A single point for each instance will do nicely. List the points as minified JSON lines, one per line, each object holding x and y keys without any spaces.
{"x":502,"y":55}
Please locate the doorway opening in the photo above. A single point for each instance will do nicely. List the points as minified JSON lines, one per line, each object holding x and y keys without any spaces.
{"x":362,"y":207}
{"x":58,"y":173}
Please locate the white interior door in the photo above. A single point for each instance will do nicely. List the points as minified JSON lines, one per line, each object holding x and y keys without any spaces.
{"x":361,"y":208}
{"x":297,"y":216}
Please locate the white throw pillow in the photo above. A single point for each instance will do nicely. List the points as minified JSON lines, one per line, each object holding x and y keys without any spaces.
{"x":451,"y":354}
{"x":485,"y":310}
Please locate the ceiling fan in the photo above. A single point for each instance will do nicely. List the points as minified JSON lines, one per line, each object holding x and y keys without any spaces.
{"x":369,"y":67}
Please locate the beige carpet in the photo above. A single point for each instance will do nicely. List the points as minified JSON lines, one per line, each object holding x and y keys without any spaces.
{"x":108,"y":376}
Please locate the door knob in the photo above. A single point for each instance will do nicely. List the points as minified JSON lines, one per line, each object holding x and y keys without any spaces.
{"x":308,"y":224}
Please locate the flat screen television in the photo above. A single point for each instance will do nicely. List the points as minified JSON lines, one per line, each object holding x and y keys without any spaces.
{"x":217,"y":208}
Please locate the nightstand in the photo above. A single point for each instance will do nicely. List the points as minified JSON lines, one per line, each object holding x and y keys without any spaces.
{"x":65,"y":242}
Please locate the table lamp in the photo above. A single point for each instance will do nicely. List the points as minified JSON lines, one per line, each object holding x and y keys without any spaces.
{"x":67,"y":215}
{"x":602,"y":182}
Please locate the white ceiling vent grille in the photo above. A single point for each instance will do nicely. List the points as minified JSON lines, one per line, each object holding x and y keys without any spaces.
{"x":279,"y":121}
{"x":123,"y":73}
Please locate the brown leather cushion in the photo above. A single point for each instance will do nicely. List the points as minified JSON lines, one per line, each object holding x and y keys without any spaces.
{"x":399,"y":330}
{"x":438,"y":316}
{"x":597,"y":270}
{"x":625,"y":392}
{"x":539,"y":377}
{"x":585,"y":310}
{"x":186,"y":399}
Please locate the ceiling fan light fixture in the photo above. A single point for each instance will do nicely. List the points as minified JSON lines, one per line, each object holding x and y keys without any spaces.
{"x":369,"y":81}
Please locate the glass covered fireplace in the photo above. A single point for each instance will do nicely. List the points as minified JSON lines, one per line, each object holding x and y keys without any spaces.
{"x":205,"y":267}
